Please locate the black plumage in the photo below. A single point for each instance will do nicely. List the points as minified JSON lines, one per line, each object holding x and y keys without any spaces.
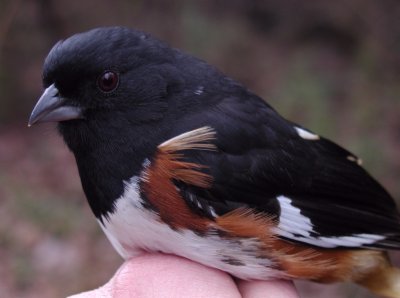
{"x":163,"y":92}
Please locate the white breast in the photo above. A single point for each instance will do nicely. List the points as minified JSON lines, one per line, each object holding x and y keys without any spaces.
{"x":132,"y":228}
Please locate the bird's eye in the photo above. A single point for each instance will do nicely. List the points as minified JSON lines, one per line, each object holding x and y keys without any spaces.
{"x":108,"y":81}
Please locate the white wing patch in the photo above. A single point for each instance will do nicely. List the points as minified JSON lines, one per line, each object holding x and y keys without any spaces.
{"x":294,"y":225}
{"x":307,"y":135}
{"x":355,"y":159}
{"x":199,"y":138}
{"x":292,"y":220}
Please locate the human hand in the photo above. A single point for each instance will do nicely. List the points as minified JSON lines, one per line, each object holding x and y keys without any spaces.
{"x":162,"y":276}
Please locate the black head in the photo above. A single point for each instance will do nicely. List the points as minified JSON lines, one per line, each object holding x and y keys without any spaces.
{"x":115,"y":93}
{"x":105,"y":70}
{"x":114,"y":74}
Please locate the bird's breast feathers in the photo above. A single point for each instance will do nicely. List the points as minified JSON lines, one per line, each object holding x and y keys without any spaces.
{"x":133,"y":228}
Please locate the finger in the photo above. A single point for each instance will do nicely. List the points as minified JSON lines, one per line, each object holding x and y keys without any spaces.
{"x":267,"y":289}
{"x":158,"y":275}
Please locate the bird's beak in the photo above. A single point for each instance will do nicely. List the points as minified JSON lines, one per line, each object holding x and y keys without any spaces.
{"x":51,"y":107}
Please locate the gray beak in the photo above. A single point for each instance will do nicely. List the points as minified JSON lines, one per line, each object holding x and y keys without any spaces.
{"x":51,"y":107}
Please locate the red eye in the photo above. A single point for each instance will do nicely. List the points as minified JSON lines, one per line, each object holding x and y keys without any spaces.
{"x":108,"y":81}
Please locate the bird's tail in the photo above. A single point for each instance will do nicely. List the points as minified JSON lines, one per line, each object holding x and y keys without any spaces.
{"x":384,"y":281}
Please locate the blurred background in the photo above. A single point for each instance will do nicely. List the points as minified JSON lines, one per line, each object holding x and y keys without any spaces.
{"x":333,"y":66}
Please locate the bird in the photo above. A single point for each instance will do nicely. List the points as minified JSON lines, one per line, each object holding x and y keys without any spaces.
{"x":176,"y":157}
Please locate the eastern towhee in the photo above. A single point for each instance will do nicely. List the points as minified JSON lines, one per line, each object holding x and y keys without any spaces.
{"x":176,"y":157}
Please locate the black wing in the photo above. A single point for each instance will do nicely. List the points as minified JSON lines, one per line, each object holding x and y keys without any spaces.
{"x":318,"y":190}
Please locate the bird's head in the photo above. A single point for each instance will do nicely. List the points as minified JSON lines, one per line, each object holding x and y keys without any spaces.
{"x":109,"y":80}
